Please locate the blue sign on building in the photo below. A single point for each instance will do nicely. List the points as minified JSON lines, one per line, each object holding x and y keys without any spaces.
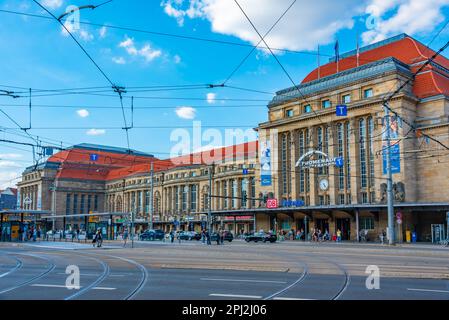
{"x":339,"y":162}
{"x":342,"y":110}
{"x":245,"y":171}
{"x":292,"y":203}
{"x":395,"y":152}
{"x":94,"y":157}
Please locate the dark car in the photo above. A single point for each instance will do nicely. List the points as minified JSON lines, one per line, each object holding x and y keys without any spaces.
{"x":152,"y":235}
{"x":262,"y":237}
{"x":189,"y":235}
{"x":228,"y":236}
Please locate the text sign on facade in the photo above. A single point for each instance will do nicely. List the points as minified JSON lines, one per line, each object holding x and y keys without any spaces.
{"x":342,"y":110}
{"x":323,"y":160}
{"x":292,"y":203}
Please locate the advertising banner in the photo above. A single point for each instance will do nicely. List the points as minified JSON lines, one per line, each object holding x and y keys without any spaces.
{"x":265,"y":163}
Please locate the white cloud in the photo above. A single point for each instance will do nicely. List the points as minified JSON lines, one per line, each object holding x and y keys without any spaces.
{"x":306,"y":25}
{"x":145,"y":52}
{"x":211,"y":98}
{"x":52,"y":4}
{"x":83,"y":34}
{"x":9,"y":156}
{"x":186,"y":112}
{"x":96,"y":132}
{"x":83,"y":113}
{"x":177,"y":59}
{"x":103,"y":31}
{"x":9,"y":164}
{"x":9,"y":177}
{"x":119,"y":60}
{"x":396,"y":16}
{"x":86,"y":36}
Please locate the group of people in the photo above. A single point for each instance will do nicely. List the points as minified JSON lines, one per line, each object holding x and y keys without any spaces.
{"x":315,"y":235}
{"x":28,"y":234}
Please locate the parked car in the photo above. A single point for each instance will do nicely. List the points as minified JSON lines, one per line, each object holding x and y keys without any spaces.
{"x":189,"y":235}
{"x":261,"y":236}
{"x":151,"y":235}
{"x":228,"y":236}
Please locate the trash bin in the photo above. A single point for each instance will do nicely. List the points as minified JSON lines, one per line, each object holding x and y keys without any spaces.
{"x":414,"y":237}
{"x":408,"y":236}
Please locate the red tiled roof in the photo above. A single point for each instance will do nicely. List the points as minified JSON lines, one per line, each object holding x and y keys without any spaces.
{"x":407,"y":50}
{"x":76,"y":164}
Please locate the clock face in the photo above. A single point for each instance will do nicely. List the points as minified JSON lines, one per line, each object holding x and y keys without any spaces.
{"x":324,"y":184}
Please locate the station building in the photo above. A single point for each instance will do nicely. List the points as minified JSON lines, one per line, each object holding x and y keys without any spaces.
{"x":321,"y":155}
{"x":305,"y":129}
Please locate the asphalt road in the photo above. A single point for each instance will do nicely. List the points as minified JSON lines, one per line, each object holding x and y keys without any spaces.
{"x":193,"y":271}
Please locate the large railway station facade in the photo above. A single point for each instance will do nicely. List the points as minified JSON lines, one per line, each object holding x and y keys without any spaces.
{"x":325,"y":168}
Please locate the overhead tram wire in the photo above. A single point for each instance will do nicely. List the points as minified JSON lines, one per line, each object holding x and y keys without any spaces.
{"x":277,"y":60}
{"x":119,"y":90}
{"x":398,"y":90}
{"x":256,"y":46}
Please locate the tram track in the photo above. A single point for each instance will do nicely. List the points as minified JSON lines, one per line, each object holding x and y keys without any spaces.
{"x":17,"y":267}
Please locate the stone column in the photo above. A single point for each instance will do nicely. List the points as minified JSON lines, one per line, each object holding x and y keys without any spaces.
{"x":333,"y":171}
{"x":294,"y":156}
{"x":313,"y":172}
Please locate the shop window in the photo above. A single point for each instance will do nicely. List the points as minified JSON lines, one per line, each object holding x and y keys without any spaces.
{"x":366,"y":223}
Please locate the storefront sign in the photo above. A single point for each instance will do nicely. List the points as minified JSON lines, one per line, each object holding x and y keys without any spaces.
{"x":324,"y":161}
{"x":292,"y":203}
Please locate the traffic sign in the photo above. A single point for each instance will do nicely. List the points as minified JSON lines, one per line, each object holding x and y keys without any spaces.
{"x":399,"y":221}
{"x":399,"y":215}
{"x":339,"y":162}
{"x":342,"y":110}
{"x":272,"y":204}
{"x":94,"y":157}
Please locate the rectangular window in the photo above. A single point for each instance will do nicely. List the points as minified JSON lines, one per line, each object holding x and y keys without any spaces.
{"x":341,"y":199}
{"x":366,"y":223}
{"x":75,"y":204}
{"x":185,"y":191}
{"x":364,"y":197}
{"x":83,"y":198}
{"x":368,"y":93}
{"x":67,"y":204}
{"x":176,"y":199}
{"x":321,"y":200}
{"x":234,"y":193}
{"x":307,"y":108}
{"x":362,"y":153}
{"x":284,"y":164}
{"x":225,"y":194}
{"x":147,"y":201}
{"x":89,"y":203}
{"x":96,"y":203}
{"x":289,"y":113}
{"x":193,"y":194}
{"x":346,"y":98}
{"x":373,"y":197}
{"x":326,"y":104}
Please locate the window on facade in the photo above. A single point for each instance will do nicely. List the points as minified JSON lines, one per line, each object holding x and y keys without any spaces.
{"x":307,"y":108}
{"x":83,"y":198}
{"x":253,"y":192}
{"x":325,"y":104}
{"x":368,"y":93}
{"x":321,"y":200}
{"x":244,"y":188}
{"x":284,"y":164}
{"x":225,"y":194}
{"x":346,"y":98}
{"x":341,"y":199}
{"x":193,"y":194}
{"x":348,"y":199}
{"x":89,"y":203}
{"x":185,"y":191}
{"x":366,"y":223}
{"x":373,"y":197}
{"x":371,"y":150}
{"x":147,"y":201}
{"x":139,"y":201}
{"x":67,"y":204}
{"x":75,"y":204}
{"x":176,"y":191}
{"x":96,"y":203}
{"x":320,"y":148}
{"x":362,"y":153}
{"x":340,"y":141}
{"x":365,"y":197}
{"x":289,"y":113}
{"x":348,"y":155}
{"x":234,"y":193}
{"x":301,"y":172}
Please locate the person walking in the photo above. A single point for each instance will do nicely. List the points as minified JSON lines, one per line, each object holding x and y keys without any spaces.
{"x":208,"y":238}
{"x":338,"y":235}
{"x":222,"y":235}
{"x":125,"y":237}
{"x":172,"y":236}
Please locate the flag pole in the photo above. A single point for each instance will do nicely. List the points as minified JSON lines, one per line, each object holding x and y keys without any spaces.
{"x":319,"y":63}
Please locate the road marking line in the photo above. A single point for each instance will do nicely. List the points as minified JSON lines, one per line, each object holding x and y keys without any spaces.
{"x":287,"y":299}
{"x":234,"y":296}
{"x":242,"y":280}
{"x":97,"y":275}
{"x":60,"y":286}
{"x":428,"y":290}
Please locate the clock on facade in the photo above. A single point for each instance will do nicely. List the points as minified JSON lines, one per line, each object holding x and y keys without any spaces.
{"x":324,"y":184}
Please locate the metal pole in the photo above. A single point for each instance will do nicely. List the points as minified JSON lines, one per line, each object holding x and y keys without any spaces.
{"x":305,"y":228}
{"x":357,"y":224}
{"x":132,"y":228}
{"x":151,"y":196}
{"x":391,"y":233}
{"x":209,"y":207}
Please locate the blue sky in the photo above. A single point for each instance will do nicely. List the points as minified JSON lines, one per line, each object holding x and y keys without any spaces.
{"x":34,"y":53}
